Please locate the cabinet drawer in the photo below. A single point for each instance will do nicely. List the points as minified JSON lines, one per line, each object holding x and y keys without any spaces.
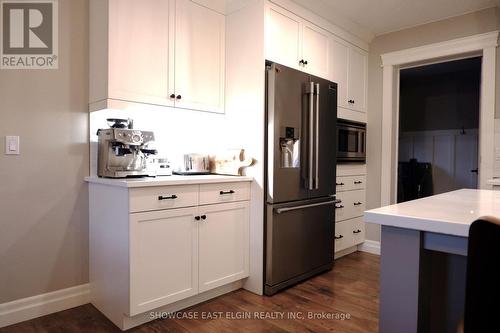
{"x":351,"y":204}
{"x":343,"y":235}
{"x":348,"y":183}
{"x":349,"y":233}
{"x":358,"y":230}
{"x":224,"y":192}
{"x":162,"y":197}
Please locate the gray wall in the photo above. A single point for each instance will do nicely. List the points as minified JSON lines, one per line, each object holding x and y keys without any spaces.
{"x":44,"y":205}
{"x":455,"y":27}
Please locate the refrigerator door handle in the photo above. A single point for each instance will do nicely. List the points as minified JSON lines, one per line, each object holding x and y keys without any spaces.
{"x":311,"y":135}
{"x":288,"y":209}
{"x":316,"y":181}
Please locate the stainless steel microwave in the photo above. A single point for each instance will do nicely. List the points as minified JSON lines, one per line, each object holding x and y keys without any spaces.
{"x":351,"y":141}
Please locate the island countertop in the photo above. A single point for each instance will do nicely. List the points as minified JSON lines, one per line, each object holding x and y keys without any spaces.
{"x":167,"y":180}
{"x":449,"y":213}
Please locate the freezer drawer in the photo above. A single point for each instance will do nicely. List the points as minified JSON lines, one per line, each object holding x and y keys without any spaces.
{"x":298,"y":241}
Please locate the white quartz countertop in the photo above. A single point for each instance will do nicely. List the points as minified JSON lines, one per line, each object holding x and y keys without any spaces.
{"x":494,"y":181}
{"x":449,"y":213}
{"x":167,"y":180}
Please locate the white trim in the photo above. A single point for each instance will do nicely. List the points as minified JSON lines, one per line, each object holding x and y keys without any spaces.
{"x":486,"y":45}
{"x":443,"y":49}
{"x":487,"y":118}
{"x":370,"y":246}
{"x":44,"y":304}
{"x":387,"y":111}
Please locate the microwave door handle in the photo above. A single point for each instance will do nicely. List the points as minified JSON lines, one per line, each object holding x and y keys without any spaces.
{"x":361,"y":144}
{"x":311,"y":135}
{"x":316,"y":185}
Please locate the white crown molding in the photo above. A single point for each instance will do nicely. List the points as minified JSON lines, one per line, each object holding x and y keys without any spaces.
{"x":443,"y":49}
{"x":44,"y":304}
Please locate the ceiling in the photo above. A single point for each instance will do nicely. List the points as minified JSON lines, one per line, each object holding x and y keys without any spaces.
{"x":376,"y":17}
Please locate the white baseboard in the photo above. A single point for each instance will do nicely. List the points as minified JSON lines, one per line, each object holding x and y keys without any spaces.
{"x":370,"y":246}
{"x":44,"y":304}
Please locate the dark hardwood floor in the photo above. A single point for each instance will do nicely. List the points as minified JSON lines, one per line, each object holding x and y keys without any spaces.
{"x":351,"y":289}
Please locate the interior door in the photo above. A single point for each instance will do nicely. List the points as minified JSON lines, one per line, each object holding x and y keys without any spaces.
{"x":315,"y":50}
{"x":199,"y":57}
{"x":288,"y":103}
{"x":325,"y":145}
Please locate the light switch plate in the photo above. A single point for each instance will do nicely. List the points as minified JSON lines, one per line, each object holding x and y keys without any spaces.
{"x":11,"y":145}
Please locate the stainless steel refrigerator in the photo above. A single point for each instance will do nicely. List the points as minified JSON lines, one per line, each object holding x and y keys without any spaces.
{"x":301,"y":112}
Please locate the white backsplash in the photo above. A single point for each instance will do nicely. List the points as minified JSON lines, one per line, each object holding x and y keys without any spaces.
{"x":496,"y":171}
{"x":177,"y":131}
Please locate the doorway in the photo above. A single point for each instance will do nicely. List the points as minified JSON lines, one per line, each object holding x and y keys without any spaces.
{"x":439,"y":108}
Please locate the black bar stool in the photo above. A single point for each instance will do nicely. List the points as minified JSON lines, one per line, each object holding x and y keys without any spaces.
{"x":482,"y":296}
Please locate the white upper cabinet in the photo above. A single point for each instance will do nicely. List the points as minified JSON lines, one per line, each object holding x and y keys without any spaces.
{"x":315,"y":50}
{"x":348,"y":67}
{"x":140,"y":64}
{"x":339,"y":68}
{"x":296,"y":43}
{"x":283,"y":35}
{"x":199,"y":57}
{"x":357,"y":79}
{"x":158,"y":52}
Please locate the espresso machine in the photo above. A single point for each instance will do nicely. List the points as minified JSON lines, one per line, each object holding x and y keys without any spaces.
{"x":123,"y":151}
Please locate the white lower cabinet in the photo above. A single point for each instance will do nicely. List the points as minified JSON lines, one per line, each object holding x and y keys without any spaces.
{"x":349,"y":224}
{"x":223,"y":244}
{"x":162,"y":247}
{"x":163,"y":258}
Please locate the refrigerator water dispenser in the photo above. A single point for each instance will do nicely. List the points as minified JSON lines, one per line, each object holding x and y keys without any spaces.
{"x":290,"y":148}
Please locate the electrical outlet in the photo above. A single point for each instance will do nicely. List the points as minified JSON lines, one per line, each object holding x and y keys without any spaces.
{"x":11,"y":145}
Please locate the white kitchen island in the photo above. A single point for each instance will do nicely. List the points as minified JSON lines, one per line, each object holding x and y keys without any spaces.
{"x":424,"y":254}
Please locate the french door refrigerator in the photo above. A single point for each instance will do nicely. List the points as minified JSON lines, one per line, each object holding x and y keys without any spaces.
{"x":301,"y":112}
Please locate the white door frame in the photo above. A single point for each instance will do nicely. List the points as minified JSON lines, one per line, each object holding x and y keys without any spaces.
{"x":484,"y":45}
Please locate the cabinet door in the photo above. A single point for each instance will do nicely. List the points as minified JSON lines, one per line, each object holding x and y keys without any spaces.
{"x":358,"y":230}
{"x":344,"y":238}
{"x":163,"y":258}
{"x":224,"y":244}
{"x":282,"y":36}
{"x":357,"y":80}
{"x":339,"y":67}
{"x":199,"y":57}
{"x":140,"y":60}
{"x":315,"y":50}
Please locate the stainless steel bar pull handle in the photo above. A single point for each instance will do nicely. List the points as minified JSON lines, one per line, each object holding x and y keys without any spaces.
{"x":316,"y":182}
{"x":288,"y":209}
{"x":311,"y":135}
